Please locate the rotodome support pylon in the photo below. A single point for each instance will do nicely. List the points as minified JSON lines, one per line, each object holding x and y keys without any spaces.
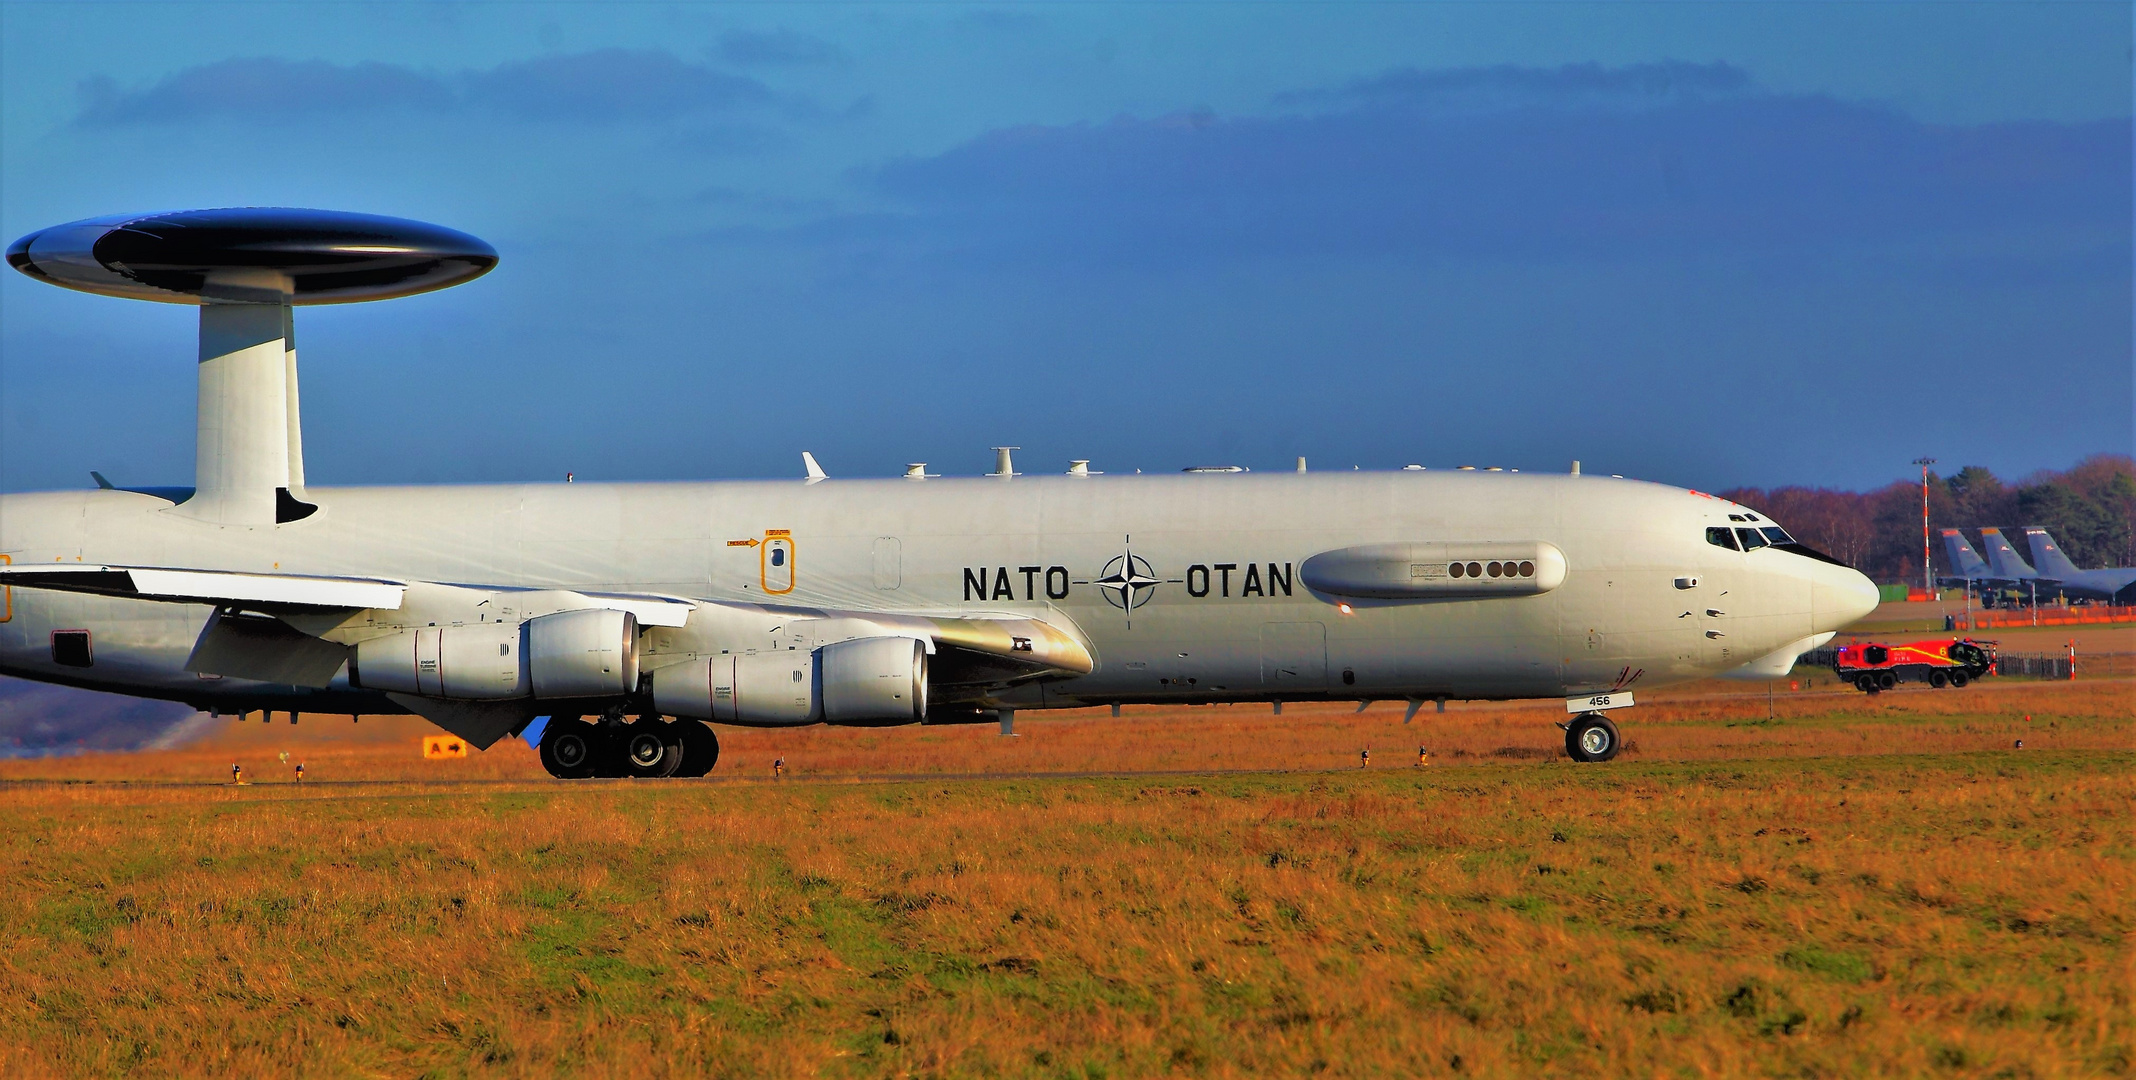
{"x":247,"y":269}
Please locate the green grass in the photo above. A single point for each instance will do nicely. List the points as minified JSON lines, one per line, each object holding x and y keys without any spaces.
{"x":1899,"y":915}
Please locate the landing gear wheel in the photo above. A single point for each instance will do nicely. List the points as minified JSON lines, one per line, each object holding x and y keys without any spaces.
{"x":570,"y":747}
{"x":1937,"y":679}
{"x":700,"y":748}
{"x":651,"y":749}
{"x":1591,"y":737}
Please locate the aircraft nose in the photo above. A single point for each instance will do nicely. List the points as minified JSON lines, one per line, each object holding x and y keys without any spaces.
{"x":1844,"y":596}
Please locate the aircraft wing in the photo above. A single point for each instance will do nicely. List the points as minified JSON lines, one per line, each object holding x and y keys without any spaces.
{"x":293,"y":594}
{"x":977,"y":650}
{"x":990,"y":650}
{"x":221,"y":587}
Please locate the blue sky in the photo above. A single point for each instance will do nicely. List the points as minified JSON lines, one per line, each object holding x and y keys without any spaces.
{"x":1710,"y":244}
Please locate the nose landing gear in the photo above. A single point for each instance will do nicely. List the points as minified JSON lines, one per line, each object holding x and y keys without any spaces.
{"x":1592,"y":737}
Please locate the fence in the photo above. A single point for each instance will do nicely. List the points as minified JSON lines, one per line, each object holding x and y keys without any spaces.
{"x":2093,"y":615}
{"x":2034,"y":665}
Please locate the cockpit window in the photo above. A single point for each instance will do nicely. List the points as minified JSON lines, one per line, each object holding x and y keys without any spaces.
{"x":1720,"y":537}
{"x":1777,"y":535}
{"x":1735,"y":517}
{"x":1752,"y":539}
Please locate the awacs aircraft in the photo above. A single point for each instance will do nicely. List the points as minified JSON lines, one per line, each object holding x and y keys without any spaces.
{"x":2113,"y":584}
{"x":913,"y":600}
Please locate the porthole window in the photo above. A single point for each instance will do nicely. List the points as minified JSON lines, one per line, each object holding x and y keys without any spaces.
{"x":1527,"y":569}
{"x":1475,"y":569}
{"x":1492,"y":569}
{"x":1456,"y":570}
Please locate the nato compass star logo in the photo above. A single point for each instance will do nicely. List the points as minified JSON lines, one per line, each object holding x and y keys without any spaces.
{"x":1128,"y":581}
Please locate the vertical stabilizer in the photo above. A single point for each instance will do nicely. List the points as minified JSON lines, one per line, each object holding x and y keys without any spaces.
{"x":2003,"y":558}
{"x":1965,"y":562}
{"x":2048,"y":556}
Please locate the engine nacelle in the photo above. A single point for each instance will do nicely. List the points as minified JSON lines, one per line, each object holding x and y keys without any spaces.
{"x":475,"y":663}
{"x":592,"y":652}
{"x":757,"y":689}
{"x":588,"y":653}
{"x":874,"y":681}
{"x":863,"y":681}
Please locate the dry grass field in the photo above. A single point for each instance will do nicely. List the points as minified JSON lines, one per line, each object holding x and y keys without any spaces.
{"x":1854,"y":886}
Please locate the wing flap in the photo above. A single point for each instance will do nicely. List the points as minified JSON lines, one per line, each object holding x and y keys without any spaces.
{"x":270,"y":650}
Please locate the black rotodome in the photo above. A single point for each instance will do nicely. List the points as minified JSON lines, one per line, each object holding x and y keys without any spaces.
{"x":258,"y":254}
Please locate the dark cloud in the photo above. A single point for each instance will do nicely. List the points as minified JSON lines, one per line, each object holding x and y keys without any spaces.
{"x":1705,"y":164}
{"x":775,"y":47}
{"x":611,"y":84}
{"x":603,"y":86}
{"x":264,"y":87}
{"x":1504,"y":87}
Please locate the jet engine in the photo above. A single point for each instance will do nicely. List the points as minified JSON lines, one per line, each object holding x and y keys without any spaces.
{"x":570,"y":654}
{"x":865,"y":681}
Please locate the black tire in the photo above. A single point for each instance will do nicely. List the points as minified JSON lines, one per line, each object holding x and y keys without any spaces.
{"x":1938,"y":679}
{"x":1865,"y":682}
{"x":570,"y":748}
{"x":700,"y":748}
{"x":1592,"y":738}
{"x":1886,"y":680}
{"x":1959,"y":679}
{"x":649,"y":749}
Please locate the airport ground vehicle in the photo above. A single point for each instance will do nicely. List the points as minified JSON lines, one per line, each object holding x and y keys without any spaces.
{"x":1874,"y":667}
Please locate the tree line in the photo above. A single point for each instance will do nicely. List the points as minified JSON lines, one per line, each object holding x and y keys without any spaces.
{"x":2090,"y":509}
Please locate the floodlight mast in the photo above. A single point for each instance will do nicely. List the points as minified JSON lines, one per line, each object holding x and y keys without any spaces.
{"x":1928,"y":577}
{"x":247,"y":269}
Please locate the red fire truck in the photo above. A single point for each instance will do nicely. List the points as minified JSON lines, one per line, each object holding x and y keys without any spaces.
{"x":1875,"y":668}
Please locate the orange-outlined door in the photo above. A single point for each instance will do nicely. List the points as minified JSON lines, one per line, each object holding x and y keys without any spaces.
{"x":775,"y":561}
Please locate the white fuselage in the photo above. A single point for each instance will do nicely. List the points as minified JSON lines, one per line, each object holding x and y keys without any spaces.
{"x":1645,"y":600}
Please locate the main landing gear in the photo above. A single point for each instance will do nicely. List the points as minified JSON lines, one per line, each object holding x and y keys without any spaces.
{"x":648,"y":748}
{"x":1592,"y":737}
